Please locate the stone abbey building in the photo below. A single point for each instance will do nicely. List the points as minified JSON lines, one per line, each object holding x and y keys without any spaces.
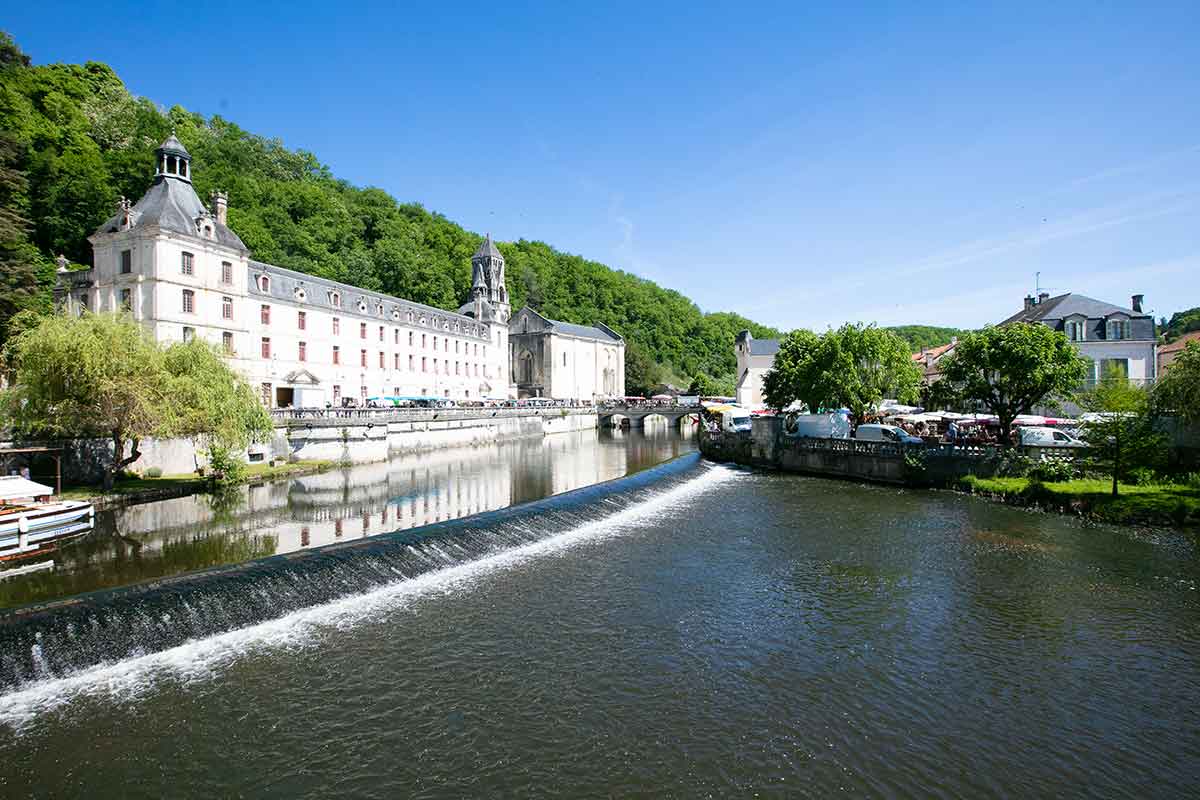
{"x":301,"y":340}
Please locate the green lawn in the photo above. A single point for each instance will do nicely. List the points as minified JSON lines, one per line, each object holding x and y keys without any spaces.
{"x":1162,"y":504}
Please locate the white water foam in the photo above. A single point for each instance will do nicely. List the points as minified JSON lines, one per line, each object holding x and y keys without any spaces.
{"x":124,"y":680}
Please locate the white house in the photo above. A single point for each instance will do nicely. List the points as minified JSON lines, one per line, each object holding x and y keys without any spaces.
{"x":1111,"y":337}
{"x":754,"y":358}
{"x":300,"y":339}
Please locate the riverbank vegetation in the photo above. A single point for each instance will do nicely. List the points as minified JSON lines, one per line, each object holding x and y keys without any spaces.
{"x":1154,"y":503}
{"x":102,"y":376}
{"x":135,"y":487}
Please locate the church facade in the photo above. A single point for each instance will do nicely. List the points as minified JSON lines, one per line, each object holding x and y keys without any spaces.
{"x":301,"y":340}
{"x":565,"y":361}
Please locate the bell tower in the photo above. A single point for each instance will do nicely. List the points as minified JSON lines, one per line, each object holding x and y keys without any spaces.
{"x":172,"y":160}
{"x":488,"y":263}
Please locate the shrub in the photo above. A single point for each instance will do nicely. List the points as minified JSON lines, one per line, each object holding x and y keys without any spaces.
{"x":1013,"y":465}
{"x":225,"y":465}
{"x":1142,"y":476}
{"x":154,"y":472}
{"x":1052,"y":471}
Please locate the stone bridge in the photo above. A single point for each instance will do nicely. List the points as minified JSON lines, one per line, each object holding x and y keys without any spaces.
{"x":675,"y":415}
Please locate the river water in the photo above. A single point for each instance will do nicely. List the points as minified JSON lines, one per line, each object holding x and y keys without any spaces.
{"x":695,"y":630}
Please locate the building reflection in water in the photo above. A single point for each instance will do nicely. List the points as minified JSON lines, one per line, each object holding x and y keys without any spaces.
{"x":170,"y":536}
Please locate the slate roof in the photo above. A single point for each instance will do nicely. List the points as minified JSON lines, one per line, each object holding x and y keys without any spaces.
{"x":601,"y":333}
{"x":764,"y":347}
{"x":171,"y":204}
{"x":174,"y":146}
{"x":1068,"y":305}
{"x":487,"y":249}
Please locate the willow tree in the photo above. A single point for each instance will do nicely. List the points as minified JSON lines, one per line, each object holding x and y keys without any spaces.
{"x":1010,"y":369}
{"x":103,"y":376}
{"x":854,"y":367}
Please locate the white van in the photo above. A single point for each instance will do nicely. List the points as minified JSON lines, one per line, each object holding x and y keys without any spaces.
{"x":835,"y":425}
{"x":736,"y":420}
{"x":1048,"y":437}
{"x":874,"y":432}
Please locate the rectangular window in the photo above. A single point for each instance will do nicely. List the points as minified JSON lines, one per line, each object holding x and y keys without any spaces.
{"x":477,"y":351}
{"x":435,"y":344}
{"x":410,"y":363}
{"x":266,"y":347}
{"x":485,"y":351}
{"x":423,"y":364}
{"x":303,"y":351}
{"x":126,"y":300}
{"x":301,"y":320}
{"x":337,"y":326}
{"x":1114,"y":368}
{"x":381,"y":362}
{"x":456,"y":344}
{"x":396,"y":336}
{"x":362,"y":358}
{"x":226,"y":308}
{"x":188,"y":334}
{"x":337,"y":393}
{"x":266,"y":315}
{"x":227,"y":342}
{"x":189,"y":301}
{"x":422,"y":341}
{"x":456,"y":368}
{"x":435,"y":367}
{"x":362,"y":330}
{"x":410,"y":338}
{"x":188,"y":264}
{"x":126,"y":262}
{"x":226,"y":272}
{"x":395,"y":391}
{"x":362,"y":390}
{"x":337,"y":354}
{"x":381,"y":333}
{"x":396,"y":362}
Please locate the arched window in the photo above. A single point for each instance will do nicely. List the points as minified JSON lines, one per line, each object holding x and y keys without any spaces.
{"x":525,"y":366}
{"x":264,"y":283}
{"x":335,"y":299}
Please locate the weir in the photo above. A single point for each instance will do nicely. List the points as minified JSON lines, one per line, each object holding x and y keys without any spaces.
{"x":54,"y":640}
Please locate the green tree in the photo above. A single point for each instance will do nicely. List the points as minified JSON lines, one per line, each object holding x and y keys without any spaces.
{"x":1178,"y":390}
{"x":101,"y":375}
{"x":93,"y":376}
{"x":1009,"y":369}
{"x":642,"y":374}
{"x":1122,"y":435}
{"x":854,"y":367}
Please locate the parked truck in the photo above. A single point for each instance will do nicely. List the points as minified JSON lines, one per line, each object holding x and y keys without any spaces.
{"x":835,"y":425}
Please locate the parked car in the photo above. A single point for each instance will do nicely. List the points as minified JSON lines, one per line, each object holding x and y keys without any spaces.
{"x":1048,"y":437}
{"x":874,"y":432}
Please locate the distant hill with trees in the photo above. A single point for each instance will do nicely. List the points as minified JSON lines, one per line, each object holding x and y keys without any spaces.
{"x":922,"y":336}
{"x":1181,"y":322}
{"x":73,"y":140}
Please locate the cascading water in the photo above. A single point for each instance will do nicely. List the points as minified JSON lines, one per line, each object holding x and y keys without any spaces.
{"x":53,"y":640}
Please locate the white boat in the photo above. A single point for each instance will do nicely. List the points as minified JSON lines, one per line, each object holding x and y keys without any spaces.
{"x":30,"y":522}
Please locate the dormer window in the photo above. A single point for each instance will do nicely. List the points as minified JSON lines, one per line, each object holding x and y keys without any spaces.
{"x":1076,"y":330}
{"x":264,"y":284}
{"x":335,"y":299}
{"x":1118,"y":329}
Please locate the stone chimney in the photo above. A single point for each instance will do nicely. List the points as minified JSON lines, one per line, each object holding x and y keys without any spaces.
{"x":1043,"y":297}
{"x":1136,"y":303}
{"x":1028,"y":302}
{"x":220,"y":206}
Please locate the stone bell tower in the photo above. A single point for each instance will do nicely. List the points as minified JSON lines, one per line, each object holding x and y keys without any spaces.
{"x":488,"y":264}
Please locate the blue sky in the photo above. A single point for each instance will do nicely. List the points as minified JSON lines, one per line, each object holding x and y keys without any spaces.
{"x":802,"y":165}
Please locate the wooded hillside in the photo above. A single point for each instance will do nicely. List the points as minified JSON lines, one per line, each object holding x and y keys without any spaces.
{"x":74,"y":140}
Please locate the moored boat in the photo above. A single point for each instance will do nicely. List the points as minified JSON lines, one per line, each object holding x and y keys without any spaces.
{"x":31,"y":523}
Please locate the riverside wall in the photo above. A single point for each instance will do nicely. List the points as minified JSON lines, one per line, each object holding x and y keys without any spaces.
{"x":349,"y":440}
{"x":881,"y":462}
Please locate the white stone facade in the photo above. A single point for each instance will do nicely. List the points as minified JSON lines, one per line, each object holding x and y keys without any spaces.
{"x":299,"y":339}
{"x":565,"y":361}
{"x":755,"y":357}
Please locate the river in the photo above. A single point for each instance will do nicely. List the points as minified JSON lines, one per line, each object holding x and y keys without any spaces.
{"x":692,"y":630}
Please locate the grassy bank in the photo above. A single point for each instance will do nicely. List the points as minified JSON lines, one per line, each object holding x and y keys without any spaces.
{"x":1155,"y":504}
{"x":134,"y":490}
